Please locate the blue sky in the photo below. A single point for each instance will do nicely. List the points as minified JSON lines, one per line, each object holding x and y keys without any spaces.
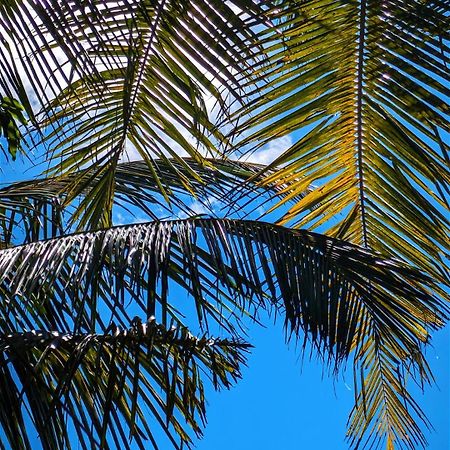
{"x":283,"y":403}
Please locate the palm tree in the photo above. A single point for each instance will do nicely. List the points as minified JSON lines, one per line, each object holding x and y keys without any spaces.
{"x":96,"y":347}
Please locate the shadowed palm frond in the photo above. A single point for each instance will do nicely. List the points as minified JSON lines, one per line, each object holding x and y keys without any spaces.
{"x":344,"y":298}
{"x":327,"y":288}
{"x":113,"y":386}
{"x":11,"y":116}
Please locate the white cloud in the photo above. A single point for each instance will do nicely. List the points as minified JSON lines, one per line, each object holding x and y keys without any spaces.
{"x":54,"y":77}
{"x":128,"y":219}
{"x":199,"y":208}
{"x":271,"y":151}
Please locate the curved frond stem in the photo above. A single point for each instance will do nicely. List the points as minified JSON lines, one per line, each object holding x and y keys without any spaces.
{"x":323,"y":286}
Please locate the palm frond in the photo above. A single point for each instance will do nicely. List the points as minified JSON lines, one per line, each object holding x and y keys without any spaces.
{"x":326,"y":288}
{"x":116,"y":386}
{"x":133,"y":77}
{"x":384,"y":411}
{"x":365,"y":87}
{"x":11,"y":115}
{"x":38,"y":206}
{"x":341,"y":297}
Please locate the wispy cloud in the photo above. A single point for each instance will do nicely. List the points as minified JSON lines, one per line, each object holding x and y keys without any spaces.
{"x":128,"y":219}
{"x":271,"y":151}
{"x":195,"y":207}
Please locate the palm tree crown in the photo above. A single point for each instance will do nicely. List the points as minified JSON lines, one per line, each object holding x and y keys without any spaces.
{"x":151,"y":107}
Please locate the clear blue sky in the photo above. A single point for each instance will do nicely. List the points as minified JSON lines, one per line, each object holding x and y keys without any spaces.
{"x":285,"y":404}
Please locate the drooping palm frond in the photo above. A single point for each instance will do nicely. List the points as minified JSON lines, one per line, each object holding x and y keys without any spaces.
{"x":114,"y":386}
{"x":35,"y":216}
{"x":385,"y":412}
{"x":343,"y":297}
{"x":327,"y":288}
{"x":363,"y":87}
{"x":128,"y":76}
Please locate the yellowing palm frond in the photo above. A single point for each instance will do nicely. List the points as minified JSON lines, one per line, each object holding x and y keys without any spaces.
{"x":363,"y":88}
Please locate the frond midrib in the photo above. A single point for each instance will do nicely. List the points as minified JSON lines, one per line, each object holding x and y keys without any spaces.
{"x":138,"y":80}
{"x":359,"y":117}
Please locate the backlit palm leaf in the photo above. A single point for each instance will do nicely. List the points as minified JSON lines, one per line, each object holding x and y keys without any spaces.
{"x":133,"y":76}
{"x":363,"y":87}
{"x":371,"y":79}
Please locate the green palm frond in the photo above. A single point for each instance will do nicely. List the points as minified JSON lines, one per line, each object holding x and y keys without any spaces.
{"x":37,"y":206}
{"x":11,"y":116}
{"x":385,"y":411}
{"x":11,"y":83}
{"x":134,"y":76}
{"x":118,"y":385}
